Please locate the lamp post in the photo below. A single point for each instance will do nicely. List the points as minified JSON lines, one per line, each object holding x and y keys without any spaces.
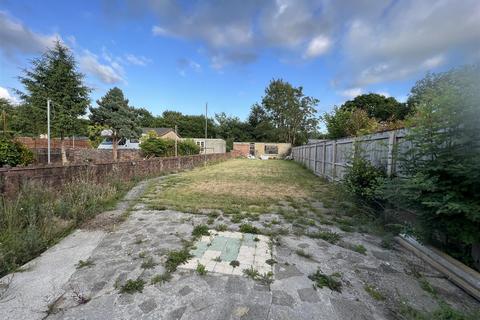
{"x":48,"y":131}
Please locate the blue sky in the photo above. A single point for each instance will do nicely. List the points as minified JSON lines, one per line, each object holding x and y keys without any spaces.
{"x":177,"y":55}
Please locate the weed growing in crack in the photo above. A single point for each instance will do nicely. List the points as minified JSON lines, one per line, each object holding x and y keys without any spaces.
{"x":84,"y":264}
{"x":221,"y":227}
{"x":217,"y":259}
{"x":331,"y":237}
{"x":148,"y":263}
{"x":248,"y":228}
{"x":161,"y":278}
{"x":176,"y":258}
{"x":266,"y":279}
{"x":200,"y":230}
{"x":235,"y":263}
{"x":201,"y":270}
{"x":271,"y":262}
{"x":322,"y":280}
{"x":360,"y":249}
{"x":373,"y":292}
{"x":303,"y":253}
{"x":251,"y":272}
{"x":132,"y":286}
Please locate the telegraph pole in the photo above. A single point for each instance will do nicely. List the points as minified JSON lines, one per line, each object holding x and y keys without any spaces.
{"x":206,"y":126}
{"x":48,"y":131}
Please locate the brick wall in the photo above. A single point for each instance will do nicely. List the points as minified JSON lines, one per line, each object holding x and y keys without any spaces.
{"x":101,"y":156}
{"x":36,"y":143}
{"x":11,"y":179}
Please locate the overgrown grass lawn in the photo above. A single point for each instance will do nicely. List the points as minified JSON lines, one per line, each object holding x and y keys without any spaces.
{"x":234,"y":186}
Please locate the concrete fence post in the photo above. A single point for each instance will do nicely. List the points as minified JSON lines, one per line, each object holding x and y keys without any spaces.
{"x":334,"y":159}
{"x":324,"y":157}
{"x":390,"y":157}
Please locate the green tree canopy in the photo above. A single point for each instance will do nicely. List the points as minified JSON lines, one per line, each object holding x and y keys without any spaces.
{"x":379,"y":107}
{"x":291,"y":112}
{"x":54,"y":76}
{"x":114,"y":113}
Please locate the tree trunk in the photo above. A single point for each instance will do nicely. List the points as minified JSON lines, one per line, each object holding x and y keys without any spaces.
{"x":63,"y":151}
{"x":114,"y":148}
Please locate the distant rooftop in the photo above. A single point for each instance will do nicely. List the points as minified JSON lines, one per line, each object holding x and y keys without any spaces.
{"x":159,"y":131}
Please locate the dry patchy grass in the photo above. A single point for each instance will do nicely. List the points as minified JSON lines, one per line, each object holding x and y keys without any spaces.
{"x":234,"y":186}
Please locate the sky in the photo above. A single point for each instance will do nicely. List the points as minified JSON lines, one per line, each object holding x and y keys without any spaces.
{"x":179,"y":55}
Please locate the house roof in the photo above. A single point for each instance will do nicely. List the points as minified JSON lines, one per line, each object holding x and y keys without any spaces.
{"x":159,"y":131}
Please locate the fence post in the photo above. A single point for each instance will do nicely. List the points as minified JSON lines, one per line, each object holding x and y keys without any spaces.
{"x":334,"y":159}
{"x":324,"y":157}
{"x":315,"y":159}
{"x":390,"y":157}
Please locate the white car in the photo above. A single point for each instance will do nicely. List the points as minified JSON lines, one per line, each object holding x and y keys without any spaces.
{"x":122,"y":144}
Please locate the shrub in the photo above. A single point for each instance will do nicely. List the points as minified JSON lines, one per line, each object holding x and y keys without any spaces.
{"x":157,"y":147}
{"x":14,"y":153}
{"x":443,"y":166}
{"x":188,"y":147}
{"x":363,"y":179}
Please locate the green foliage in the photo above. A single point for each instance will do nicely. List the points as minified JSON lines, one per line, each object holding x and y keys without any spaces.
{"x":331,"y":237}
{"x":366,"y":113}
{"x":322,"y":280}
{"x":379,"y":107}
{"x":291,"y":112}
{"x":200,"y":230}
{"x":201,"y":269}
{"x":84,"y":264}
{"x":14,"y":153}
{"x":148,"y":263}
{"x":248,"y":228}
{"x":53,"y":76}
{"x":187,"y":147}
{"x":39,"y":216}
{"x":359,"y":248}
{"x":189,"y":126}
{"x":176,"y":258}
{"x":114,"y":113}
{"x":374,"y":293}
{"x":132,"y":286}
{"x":363,"y":179}
{"x":94,"y":134}
{"x":161,"y":278}
{"x":157,"y":147}
{"x":443,"y":163}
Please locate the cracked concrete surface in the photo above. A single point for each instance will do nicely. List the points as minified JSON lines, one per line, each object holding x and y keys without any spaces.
{"x":149,"y":234}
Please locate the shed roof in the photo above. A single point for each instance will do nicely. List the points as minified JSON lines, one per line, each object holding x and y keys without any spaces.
{"x":159,"y":131}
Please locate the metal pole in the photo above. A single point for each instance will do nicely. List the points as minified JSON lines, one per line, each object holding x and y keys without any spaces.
{"x":206,"y":125}
{"x":176,"y":145}
{"x":48,"y":131}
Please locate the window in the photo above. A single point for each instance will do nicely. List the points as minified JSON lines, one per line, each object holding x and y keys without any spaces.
{"x":271,"y":149}
{"x":200,"y":144}
{"x":134,"y":140}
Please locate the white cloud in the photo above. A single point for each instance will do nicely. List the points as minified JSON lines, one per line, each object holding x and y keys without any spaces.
{"x":184,"y":65}
{"x":434,"y":61}
{"x":137,"y":60}
{"x":5,"y":94}
{"x":351,"y":93}
{"x":15,"y":37}
{"x":317,"y":46}
{"x":159,"y":31}
{"x":108,"y":73}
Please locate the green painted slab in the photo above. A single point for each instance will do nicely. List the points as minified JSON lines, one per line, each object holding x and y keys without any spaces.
{"x":248,"y":240}
{"x":219,"y":243}
{"x":231,"y":249}
{"x":200,"y":250}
